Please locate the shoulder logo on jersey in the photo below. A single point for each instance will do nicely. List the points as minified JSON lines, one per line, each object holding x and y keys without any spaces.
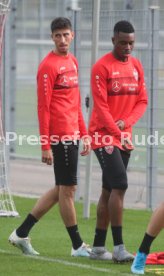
{"x":116,"y":86}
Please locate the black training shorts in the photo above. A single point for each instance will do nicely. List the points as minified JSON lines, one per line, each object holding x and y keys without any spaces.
{"x":65,"y":156}
{"x":113,"y":162}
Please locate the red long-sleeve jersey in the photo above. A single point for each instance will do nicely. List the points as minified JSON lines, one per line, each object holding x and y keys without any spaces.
{"x":119,"y":93}
{"x":59,"y":108}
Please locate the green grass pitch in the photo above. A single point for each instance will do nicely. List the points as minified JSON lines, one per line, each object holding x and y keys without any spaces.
{"x":50,"y":238}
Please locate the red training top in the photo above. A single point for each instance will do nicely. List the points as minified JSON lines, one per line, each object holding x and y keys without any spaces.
{"x":119,"y":93}
{"x":59,"y":109}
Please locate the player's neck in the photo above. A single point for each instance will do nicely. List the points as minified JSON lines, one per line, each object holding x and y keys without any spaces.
{"x":64,"y":54}
{"x":120,"y":58}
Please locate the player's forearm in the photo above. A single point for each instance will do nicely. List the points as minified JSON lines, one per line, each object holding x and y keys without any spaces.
{"x":136,"y":114}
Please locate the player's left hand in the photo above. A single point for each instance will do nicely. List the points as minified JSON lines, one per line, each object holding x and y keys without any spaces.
{"x":47,"y":157}
{"x":86,"y":146}
{"x":120,"y":124}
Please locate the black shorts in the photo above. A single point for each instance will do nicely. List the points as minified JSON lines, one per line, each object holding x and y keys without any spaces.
{"x":65,"y":157}
{"x":113,"y":162}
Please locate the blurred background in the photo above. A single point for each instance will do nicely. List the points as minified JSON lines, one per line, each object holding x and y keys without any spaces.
{"x":27,"y":40}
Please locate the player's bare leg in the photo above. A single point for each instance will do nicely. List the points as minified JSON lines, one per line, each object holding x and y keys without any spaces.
{"x":109,"y":209}
{"x":156,"y":222}
{"x":116,"y":207}
{"x":66,"y":205}
{"x":120,"y":254}
{"x":68,"y":214}
{"x":155,"y":225}
{"x":19,"y":237}
{"x":103,"y":214}
{"x":45,"y":202}
{"x":103,"y":219}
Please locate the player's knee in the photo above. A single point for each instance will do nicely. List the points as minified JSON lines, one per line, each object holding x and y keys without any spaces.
{"x":68,"y":191}
{"x":105,"y":194}
{"x":102,"y":210}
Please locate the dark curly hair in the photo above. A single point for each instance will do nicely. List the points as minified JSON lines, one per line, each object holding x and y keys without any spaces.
{"x":60,"y":23}
{"x":123,"y":26}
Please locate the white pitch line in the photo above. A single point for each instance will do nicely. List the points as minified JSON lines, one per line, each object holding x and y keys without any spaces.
{"x":67,"y":263}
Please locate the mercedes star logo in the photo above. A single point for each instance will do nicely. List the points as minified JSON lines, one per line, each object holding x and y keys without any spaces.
{"x":116,"y":86}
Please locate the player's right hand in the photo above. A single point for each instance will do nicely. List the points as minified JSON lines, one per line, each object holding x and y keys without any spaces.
{"x":127,"y":144}
{"x":120,"y":124}
{"x":47,"y":157}
{"x":86,"y":146}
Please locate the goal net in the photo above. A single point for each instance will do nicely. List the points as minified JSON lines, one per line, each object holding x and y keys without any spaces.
{"x":7,"y":206}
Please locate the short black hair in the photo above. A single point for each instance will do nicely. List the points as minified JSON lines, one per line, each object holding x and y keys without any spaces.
{"x":123,"y":26}
{"x":60,"y":23}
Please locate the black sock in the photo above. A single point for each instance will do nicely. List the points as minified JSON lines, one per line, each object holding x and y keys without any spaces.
{"x":100,"y":237}
{"x":146,"y":243}
{"x":75,"y":236}
{"x":117,"y":235}
{"x":24,"y":229}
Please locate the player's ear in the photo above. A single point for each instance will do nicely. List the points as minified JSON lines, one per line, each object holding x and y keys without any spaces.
{"x":73,"y":35}
{"x":112,"y":40}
